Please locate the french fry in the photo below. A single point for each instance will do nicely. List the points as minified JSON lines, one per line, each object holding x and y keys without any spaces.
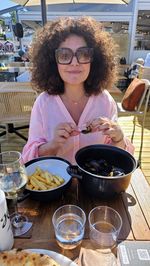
{"x":60,"y":179}
{"x":29,"y":186}
{"x":33,"y":185}
{"x":51,"y":186}
{"x":56,"y":180}
{"x":40,"y":178}
{"x":43,"y":180}
{"x":48,"y":177}
{"x":38,"y":183}
{"x":38,"y":171}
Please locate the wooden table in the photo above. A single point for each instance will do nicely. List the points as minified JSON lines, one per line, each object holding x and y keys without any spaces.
{"x":133,"y":206}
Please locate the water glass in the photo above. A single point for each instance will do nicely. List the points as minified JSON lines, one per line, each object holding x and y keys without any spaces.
{"x":69,"y":223}
{"x":105,"y":225}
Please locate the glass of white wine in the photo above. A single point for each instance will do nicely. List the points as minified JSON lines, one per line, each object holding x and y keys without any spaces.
{"x":13,"y":179}
{"x":69,"y":224}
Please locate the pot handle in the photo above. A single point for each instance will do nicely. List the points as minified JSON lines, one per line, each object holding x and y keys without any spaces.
{"x":74,"y":171}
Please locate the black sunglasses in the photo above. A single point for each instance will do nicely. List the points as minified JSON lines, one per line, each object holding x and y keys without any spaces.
{"x":64,"y":56}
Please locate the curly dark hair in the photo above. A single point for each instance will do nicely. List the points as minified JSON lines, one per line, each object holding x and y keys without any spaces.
{"x":45,"y":75}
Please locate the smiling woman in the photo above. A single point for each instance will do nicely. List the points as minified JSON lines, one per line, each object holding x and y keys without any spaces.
{"x":73,"y":65}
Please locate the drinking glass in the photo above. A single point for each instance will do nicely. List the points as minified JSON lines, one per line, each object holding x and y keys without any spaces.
{"x":105,"y":225}
{"x":13,"y":179}
{"x":69,"y":223}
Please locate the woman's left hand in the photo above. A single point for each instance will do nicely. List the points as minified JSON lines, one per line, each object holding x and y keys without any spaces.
{"x":107,"y":127}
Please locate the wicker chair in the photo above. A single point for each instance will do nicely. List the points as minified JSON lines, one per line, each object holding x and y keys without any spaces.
{"x":140,"y":112}
{"x":16,"y":101}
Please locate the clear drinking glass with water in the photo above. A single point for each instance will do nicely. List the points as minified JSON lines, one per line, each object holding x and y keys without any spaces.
{"x":69,"y":223}
{"x":105,"y":225}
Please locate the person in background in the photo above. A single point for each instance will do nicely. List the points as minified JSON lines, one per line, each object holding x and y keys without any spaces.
{"x":73,"y":66}
{"x":147,"y":60}
{"x":134,"y":70}
{"x":24,"y":56}
{"x":25,"y":76}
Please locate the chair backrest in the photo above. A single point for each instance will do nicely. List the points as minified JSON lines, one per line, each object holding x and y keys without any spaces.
{"x":133,"y":95}
{"x":16,"y":102}
{"x":142,"y":106}
{"x":145,"y":97}
{"x":146,"y":94}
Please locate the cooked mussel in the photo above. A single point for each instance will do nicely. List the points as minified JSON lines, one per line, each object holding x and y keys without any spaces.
{"x":102,"y":167}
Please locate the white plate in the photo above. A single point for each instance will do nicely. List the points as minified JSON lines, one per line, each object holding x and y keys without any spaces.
{"x":62,"y":260}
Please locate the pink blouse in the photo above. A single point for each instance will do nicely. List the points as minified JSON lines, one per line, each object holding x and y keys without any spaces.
{"x":48,"y":111}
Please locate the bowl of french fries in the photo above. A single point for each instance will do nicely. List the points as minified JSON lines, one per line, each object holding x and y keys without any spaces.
{"x":47,"y":177}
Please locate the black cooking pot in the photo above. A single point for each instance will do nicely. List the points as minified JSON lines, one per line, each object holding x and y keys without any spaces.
{"x":98,"y":185}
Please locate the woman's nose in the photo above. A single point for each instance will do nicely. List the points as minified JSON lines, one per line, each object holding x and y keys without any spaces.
{"x":74,"y":61}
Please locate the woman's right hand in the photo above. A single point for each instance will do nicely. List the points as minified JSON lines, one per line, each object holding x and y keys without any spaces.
{"x":62,"y":132}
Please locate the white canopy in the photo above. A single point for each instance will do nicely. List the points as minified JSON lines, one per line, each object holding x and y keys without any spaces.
{"x":37,"y":2}
{"x":43,"y":3}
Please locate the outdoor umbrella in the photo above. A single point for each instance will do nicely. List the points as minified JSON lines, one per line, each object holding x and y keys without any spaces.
{"x":48,"y":2}
{"x":8,"y":6}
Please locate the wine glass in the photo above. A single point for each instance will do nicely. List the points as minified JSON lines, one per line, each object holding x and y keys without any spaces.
{"x":13,"y":179}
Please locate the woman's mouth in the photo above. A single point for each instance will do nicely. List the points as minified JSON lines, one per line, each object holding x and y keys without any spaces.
{"x":74,"y":72}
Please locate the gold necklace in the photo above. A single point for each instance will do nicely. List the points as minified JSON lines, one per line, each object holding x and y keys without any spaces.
{"x":83,"y":97}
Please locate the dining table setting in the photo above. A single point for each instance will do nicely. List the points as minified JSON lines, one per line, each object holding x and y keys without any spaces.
{"x":77,"y":214}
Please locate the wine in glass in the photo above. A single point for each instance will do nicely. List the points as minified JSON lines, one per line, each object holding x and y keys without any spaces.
{"x":13,"y":179}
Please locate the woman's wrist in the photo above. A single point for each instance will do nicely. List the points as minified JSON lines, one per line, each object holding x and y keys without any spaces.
{"x":48,"y":149}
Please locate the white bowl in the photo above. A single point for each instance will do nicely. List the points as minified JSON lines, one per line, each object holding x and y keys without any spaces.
{"x":54,"y":165}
